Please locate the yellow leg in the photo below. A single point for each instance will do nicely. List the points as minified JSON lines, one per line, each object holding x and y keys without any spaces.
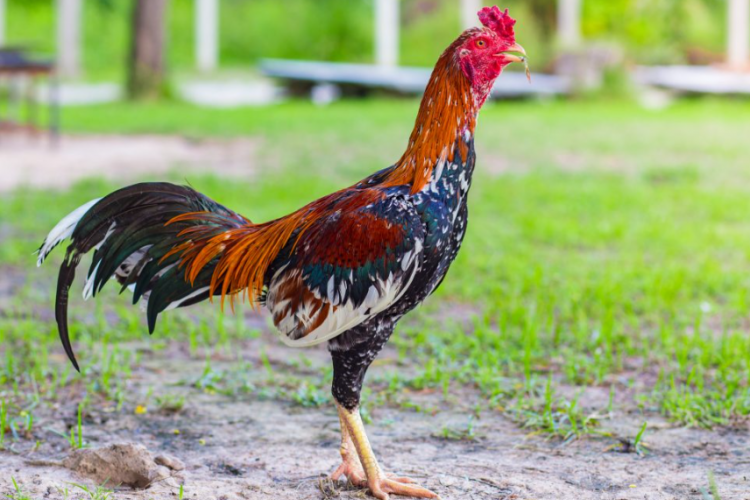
{"x":350,"y":466}
{"x":353,"y":433}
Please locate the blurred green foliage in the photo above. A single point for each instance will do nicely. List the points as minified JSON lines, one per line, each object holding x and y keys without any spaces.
{"x":651,"y":31}
{"x":659,"y":31}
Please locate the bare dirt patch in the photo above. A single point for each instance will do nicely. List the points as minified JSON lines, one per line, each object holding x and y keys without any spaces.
{"x":35,"y":162}
{"x":246,"y":446}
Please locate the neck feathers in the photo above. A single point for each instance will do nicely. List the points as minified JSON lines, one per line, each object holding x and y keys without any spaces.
{"x":448,"y":108}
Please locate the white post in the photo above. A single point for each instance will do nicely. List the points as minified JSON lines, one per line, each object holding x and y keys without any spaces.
{"x":207,"y":34}
{"x":2,"y":23}
{"x":386,"y":32}
{"x":69,"y":36}
{"x":569,"y":22}
{"x":469,"y":9}
{"x":738,"y":40}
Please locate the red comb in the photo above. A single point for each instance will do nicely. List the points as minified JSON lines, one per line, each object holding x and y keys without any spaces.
{"x":498,"y":21}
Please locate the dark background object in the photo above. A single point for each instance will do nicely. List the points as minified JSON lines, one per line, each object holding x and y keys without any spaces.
{"x":20,"y":73}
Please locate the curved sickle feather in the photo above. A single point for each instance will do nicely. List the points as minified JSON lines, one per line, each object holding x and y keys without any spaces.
{"x":64,"y":280}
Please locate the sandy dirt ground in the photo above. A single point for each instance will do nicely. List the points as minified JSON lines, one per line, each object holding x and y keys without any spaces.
{"x":243,"y":446}
{"x":34,"y":161}
{"x":246,"y":447}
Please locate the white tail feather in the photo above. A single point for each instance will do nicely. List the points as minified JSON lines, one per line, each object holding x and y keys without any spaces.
{"x":63,"y":230}
{"x":178,"y":303}
{"x":89,"y":287}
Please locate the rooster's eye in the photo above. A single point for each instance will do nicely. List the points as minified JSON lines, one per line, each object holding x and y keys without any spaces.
{"x":481,"y":44}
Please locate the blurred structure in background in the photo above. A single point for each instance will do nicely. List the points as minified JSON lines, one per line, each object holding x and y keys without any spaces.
{"x":469,"y":9}
{"x":146,"y":62}
{"x":738,"y":50}
{"x":18,"y":104}
{"x":109,"y":49}
{"x":69,"y":16}
{"x":732,"y":77}
{"x":569,"y":23}
{"x":326,"y":81}
{"x":207,"y":35}
{"x":387,"y":26}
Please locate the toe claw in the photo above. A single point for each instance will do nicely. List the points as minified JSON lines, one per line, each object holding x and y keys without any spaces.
{"x":408,"y":489}
{"x":381,"y":495}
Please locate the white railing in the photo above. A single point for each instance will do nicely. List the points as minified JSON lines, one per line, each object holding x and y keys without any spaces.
{"x":69,"y":14}
{"x":738,"y":39}
{"x":207,"y":34}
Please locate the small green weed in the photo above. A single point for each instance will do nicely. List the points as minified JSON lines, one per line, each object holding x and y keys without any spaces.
{"x":97,"y":493}
{"x":3,"y":421}
{"x":76,"y":433}
{"x":713,"y":488}
{"x":465,"y":433}
{"x":640,"y":448}
{"x":310,"y":396}
{"x":18,"y":494}
{"x":171,"y":403}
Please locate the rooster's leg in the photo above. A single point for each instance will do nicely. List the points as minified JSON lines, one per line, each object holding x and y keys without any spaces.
{"x":350,"y":466}
{"x":360,"y":461}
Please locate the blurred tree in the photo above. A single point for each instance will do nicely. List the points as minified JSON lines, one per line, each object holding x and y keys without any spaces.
{"x":146,"y":68}
{"x":545,"y":14}
{"x":657,"y":32}
{"x":328,"y":30}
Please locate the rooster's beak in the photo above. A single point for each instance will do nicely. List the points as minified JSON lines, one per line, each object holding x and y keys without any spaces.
{"x":511,"y":53}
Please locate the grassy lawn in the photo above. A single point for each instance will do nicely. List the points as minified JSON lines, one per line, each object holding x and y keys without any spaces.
{"x":701,"y":138}
{"x":608,"y":250}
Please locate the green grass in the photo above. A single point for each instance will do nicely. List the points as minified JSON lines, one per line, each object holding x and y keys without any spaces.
{"x":91,"y":493}
{"x":3,"y":421}
{"x":18,"y":494}
{"x":698,"y":140}
{"x":76,"y":433}
{"x":95,"y":493}
{"x":608,"y":247}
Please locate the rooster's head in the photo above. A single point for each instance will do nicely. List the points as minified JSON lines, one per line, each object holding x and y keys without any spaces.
{"x":483,"y":52}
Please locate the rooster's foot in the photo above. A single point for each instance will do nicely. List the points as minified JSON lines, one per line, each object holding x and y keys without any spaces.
{"x":353,"y":471}
{"x":360,"y":466}
{"x":381,"y":487}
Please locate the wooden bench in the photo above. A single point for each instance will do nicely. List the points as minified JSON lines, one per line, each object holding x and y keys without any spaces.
{"x":358,"y":79}
{"x":17,"y":69}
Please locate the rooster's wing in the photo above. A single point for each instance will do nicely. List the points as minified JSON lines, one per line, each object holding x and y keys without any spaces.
{"x":347,"y":267}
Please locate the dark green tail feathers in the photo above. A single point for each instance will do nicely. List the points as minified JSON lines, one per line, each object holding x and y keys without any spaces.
{"x":127,"y":231}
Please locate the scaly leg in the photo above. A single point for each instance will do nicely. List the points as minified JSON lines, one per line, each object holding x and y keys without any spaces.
{"x":350,"y":466}
{"x":363,"y":463}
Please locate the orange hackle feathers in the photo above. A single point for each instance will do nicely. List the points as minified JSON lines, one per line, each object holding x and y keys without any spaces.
{"x":447,"y":108}
{"x":246,"y":252}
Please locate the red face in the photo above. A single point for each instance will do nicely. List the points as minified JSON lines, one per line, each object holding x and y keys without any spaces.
{"x":484,"y":55}
{"x":484,"y":52}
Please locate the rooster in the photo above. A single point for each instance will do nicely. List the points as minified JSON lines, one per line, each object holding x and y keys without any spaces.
{"x":343,"y":269}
